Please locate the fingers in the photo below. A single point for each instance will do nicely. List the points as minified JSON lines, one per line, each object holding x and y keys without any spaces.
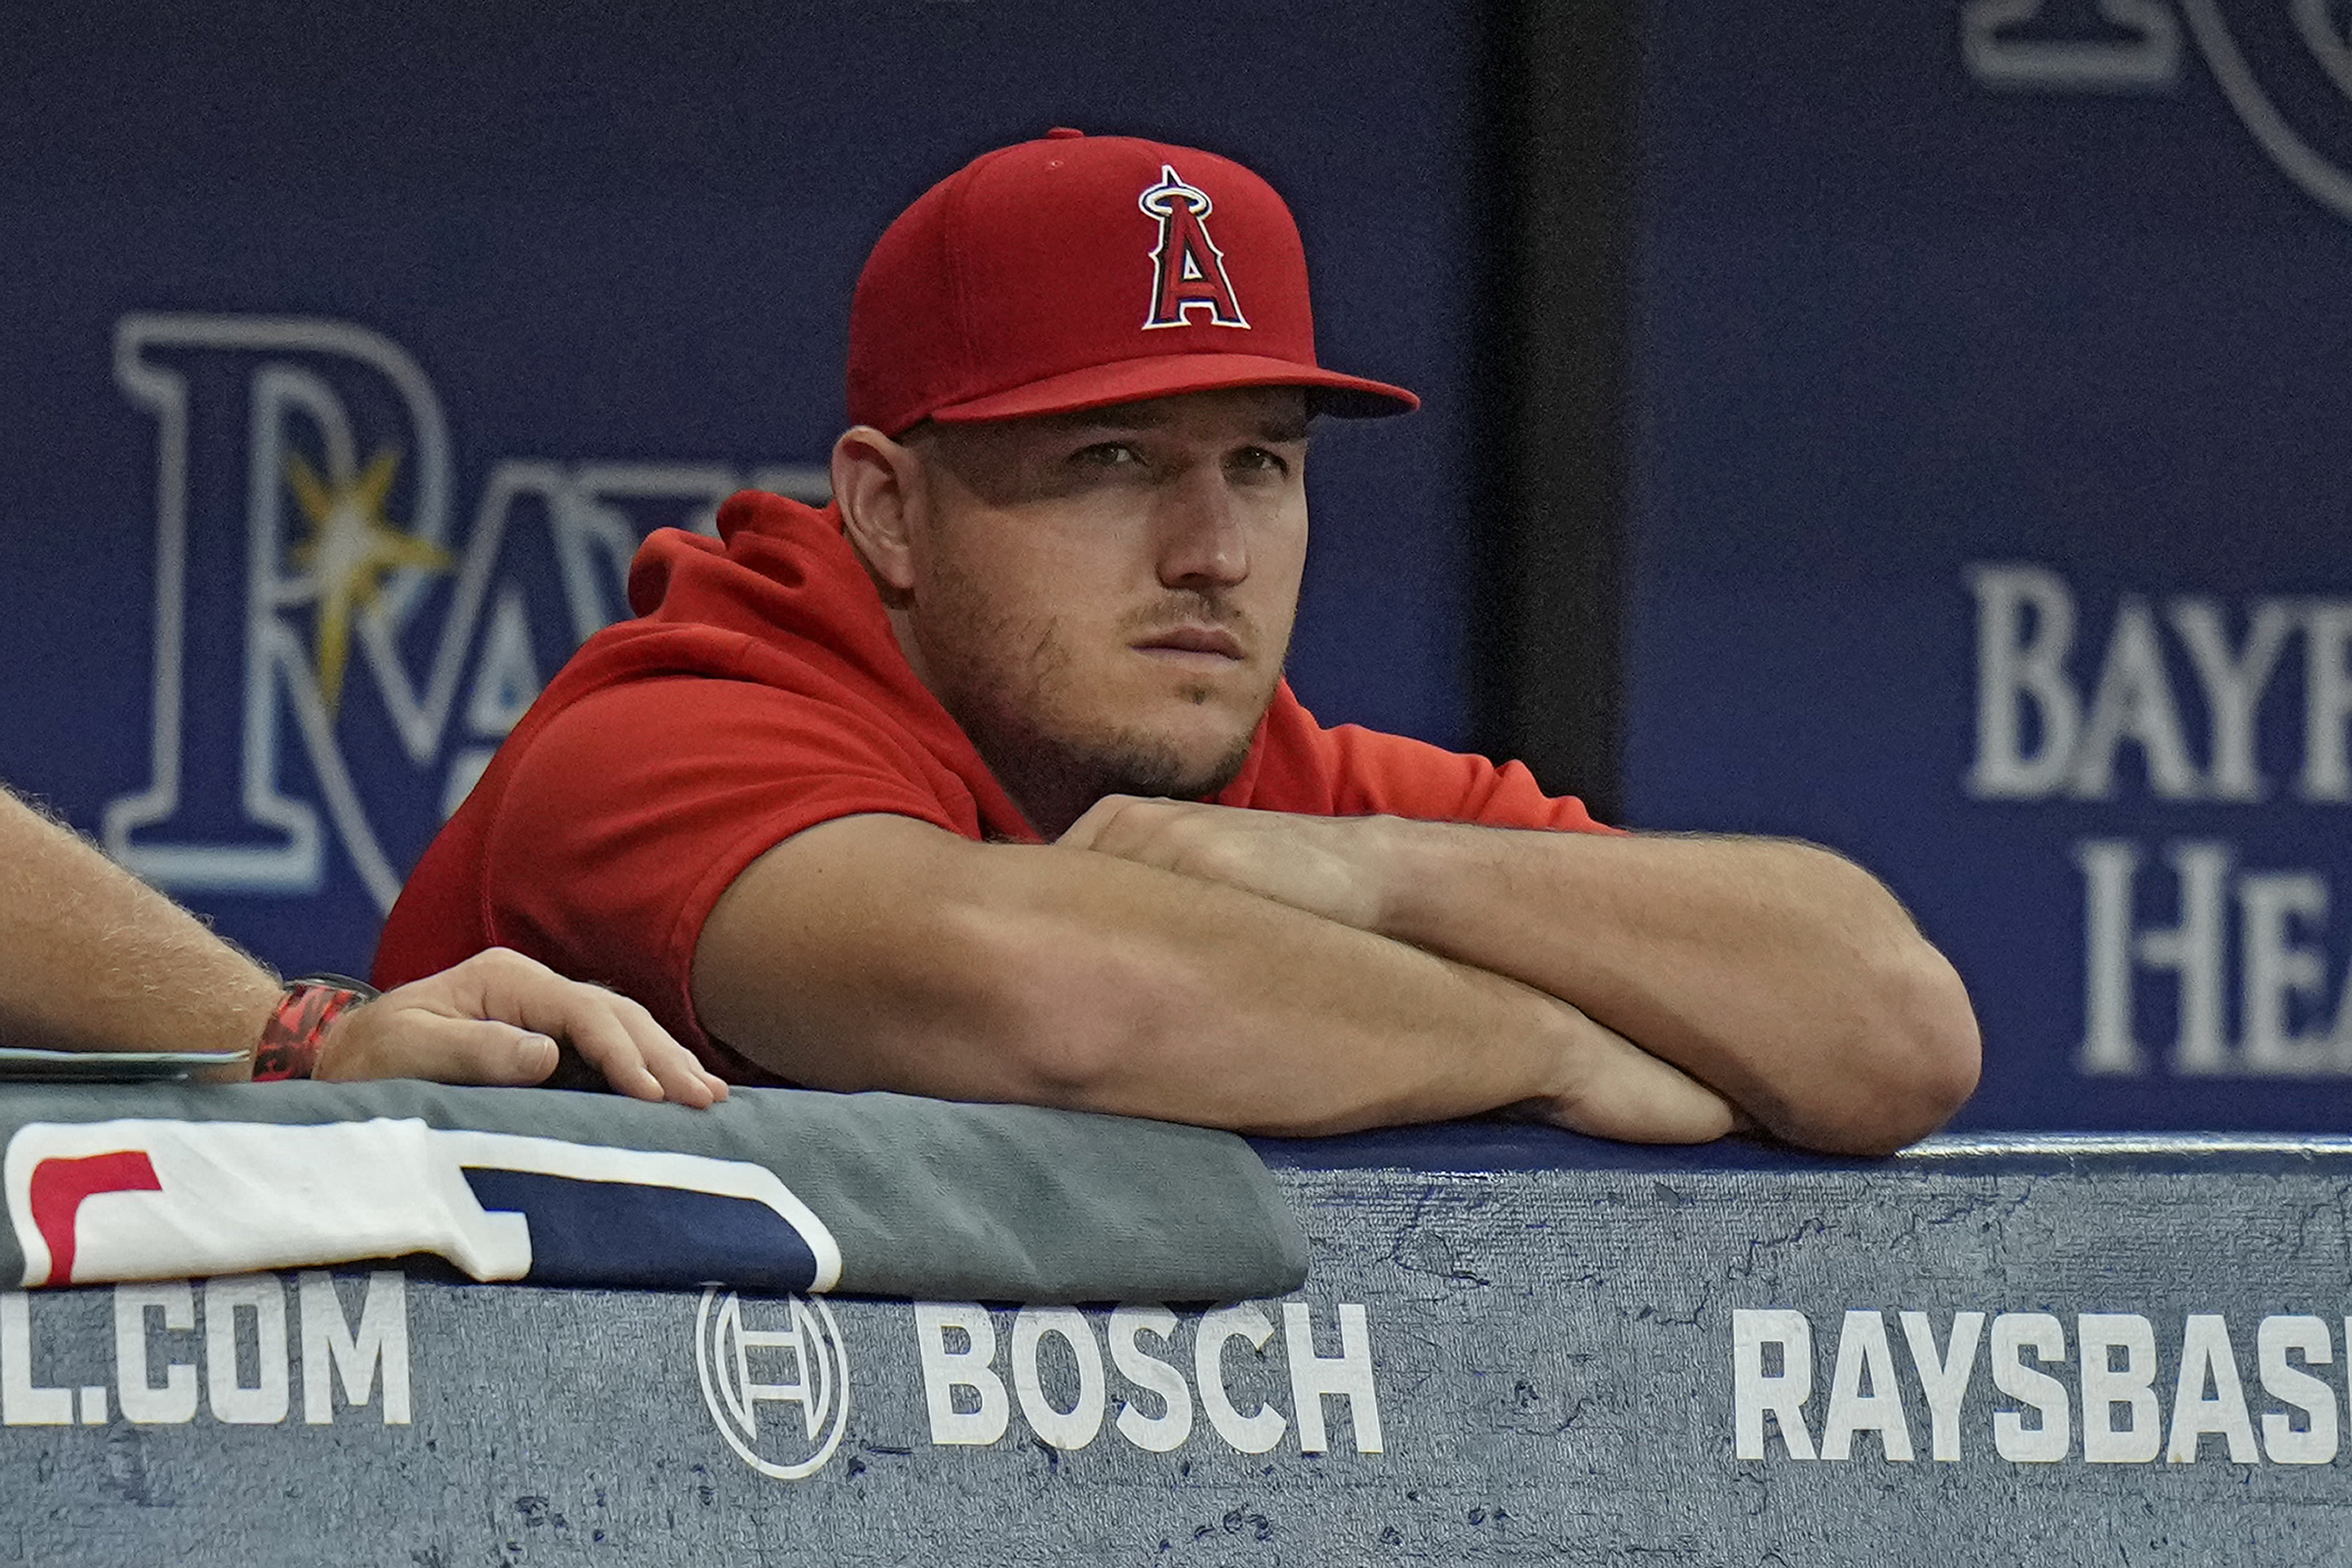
{"x":1148,"y":831}
{"x":636,"y":1055}
{"x":1623,"y":1092}
{"x":374,"y":1042}
{"x":612,"y":1033}
{"x":1087,"y":832}
{"x":1669,"y":1108}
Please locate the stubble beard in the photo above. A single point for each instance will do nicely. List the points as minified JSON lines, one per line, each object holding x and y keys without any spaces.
{"x":1016,"y":713}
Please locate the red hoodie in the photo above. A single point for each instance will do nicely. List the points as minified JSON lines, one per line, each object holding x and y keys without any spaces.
{"x":761,"y":691}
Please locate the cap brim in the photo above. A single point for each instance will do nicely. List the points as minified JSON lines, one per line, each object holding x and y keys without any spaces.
{"x":1167,"y":375}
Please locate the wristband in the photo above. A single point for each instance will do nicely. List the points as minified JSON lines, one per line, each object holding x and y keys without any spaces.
{"x":298,"y":1026}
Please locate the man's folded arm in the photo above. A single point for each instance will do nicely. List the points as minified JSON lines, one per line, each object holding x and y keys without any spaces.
{"x":1783,"y":975}
{"x":877,"y":951}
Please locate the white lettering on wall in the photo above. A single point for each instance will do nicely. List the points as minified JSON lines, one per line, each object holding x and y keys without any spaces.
{"x":1075,"y":1427}
{"x":2206,"y":1360}
{"x":2119,"y":1381}
{"x":227,"y":1301}
{"x":1260,"y":1429}
{"x":2233,"y":683}
{"x":2045,"y":1440}
{"x":1347,"y":1376}
{"x":219,"y":1345}
{"x":1862,"y":1357}
{"x":1756,"y":1394}
{"x":946,"y":1372}
{"x":2288,"y":1022}
{"x":968,"y":1402}
{"x":144,"y":1400}
{"x":332,"y":1349}
{"x":2284,"y":1440}
{"x":2083,"y":700}
{"x":23,"y":1401}
{"x":1944,"y":1380}
{"x":2025,"y":628}
{"x":1165,"y":1432}
{"x":2107,"y":1388}
{"x":2039,"y":738}
{"x":2134,"y":703}
{"x":2327,"y":703}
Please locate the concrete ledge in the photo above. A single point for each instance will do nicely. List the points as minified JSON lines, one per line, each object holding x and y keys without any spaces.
{"x":1514,"y":1346}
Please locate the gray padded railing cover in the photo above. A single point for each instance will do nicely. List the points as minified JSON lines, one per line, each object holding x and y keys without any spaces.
{"x":914,"y":1197}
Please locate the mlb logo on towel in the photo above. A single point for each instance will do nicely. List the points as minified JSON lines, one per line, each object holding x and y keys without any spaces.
{"x":131,"y":1199}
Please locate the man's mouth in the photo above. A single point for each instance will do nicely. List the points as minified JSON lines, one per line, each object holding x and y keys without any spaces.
{"x":1207,"y":645}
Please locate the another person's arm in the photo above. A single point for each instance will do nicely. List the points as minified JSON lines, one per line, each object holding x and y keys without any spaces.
{"x":92,"y":959}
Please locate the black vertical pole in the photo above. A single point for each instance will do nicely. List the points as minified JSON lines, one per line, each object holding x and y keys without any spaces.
{"x":1547,"y":618}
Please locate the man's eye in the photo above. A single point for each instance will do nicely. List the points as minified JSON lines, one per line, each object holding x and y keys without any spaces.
{"x":1107,"y":455}
{"x":1258,"y":460}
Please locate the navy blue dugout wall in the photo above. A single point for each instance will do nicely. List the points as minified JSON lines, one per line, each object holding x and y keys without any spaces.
{"x":517,"y":286}
{"x":1990,"y":517}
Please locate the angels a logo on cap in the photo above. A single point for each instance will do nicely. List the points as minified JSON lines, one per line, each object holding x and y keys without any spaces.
{"x":1188,"y":269}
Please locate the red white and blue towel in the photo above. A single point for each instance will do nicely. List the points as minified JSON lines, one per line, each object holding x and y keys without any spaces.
{"x":774,"y":1189}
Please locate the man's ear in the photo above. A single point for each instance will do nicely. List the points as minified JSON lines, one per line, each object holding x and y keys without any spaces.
{"x":879,"y":484}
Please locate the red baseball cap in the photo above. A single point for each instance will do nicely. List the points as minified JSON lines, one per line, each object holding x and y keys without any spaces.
{"x":1078,"y":271}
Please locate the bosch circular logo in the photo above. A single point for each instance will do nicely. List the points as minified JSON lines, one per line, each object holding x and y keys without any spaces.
{"x":775,"y":1374}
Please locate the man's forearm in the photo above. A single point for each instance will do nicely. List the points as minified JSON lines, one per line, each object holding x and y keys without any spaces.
{"x":1781,"y":974}
{"x":92,"y":959}
{"x":878,"y":953}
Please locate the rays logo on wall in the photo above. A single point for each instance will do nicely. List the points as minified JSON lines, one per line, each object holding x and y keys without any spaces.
{"x":2285,"y":66}
{"x":335,"y":660}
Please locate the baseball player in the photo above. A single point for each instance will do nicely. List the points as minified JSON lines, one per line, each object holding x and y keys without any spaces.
{"x":983,"y":781}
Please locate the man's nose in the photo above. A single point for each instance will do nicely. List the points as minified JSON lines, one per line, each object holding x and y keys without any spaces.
{"x":1199,"y":530}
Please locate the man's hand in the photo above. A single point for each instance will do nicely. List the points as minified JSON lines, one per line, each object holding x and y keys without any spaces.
{"x":1327,"y":866}
{"x":1336,"y":868}
{"x":1614,"y":1088}
{"x":496,"y":1019}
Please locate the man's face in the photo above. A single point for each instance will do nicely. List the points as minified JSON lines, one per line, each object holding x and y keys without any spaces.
{"x":1103,"y":600}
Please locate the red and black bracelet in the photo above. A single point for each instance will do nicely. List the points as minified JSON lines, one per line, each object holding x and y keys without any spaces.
{"x":297,"y":1026}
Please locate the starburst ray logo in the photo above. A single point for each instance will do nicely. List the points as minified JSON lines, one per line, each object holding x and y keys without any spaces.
{"x":338,"y":651}
{"x":351,"y":548}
